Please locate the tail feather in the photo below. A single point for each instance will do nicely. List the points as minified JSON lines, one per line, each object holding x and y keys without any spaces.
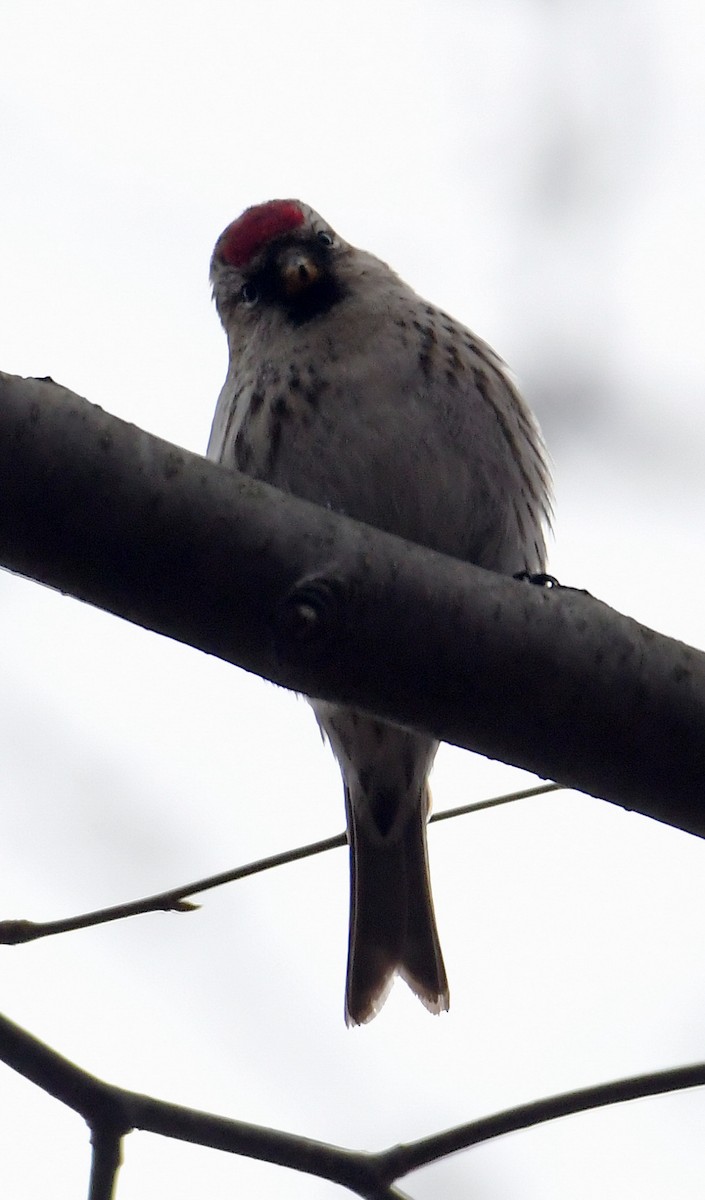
{"x":392,"y":922}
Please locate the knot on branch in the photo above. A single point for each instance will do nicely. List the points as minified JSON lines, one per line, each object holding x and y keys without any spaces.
{"x":309,"y":618}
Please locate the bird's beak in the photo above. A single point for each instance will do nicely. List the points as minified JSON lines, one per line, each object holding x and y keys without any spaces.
{"x":298,"y":271}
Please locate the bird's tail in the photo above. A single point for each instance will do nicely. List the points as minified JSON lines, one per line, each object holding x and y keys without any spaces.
{"x":392,"y":922}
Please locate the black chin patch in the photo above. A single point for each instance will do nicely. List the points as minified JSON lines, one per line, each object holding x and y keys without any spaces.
{"x":310,"y":302}
{"x":314,"y":300}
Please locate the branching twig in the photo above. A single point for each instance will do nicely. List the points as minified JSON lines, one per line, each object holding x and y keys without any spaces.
{"x":14,"y":932}
{"x":113,"y":1111}
{"x":109,"y":1108}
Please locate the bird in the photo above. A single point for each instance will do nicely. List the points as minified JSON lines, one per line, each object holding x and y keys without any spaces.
{"x":348,"y":389}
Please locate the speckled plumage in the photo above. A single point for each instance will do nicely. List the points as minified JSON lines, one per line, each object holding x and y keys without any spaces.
{"x":348,"y":389}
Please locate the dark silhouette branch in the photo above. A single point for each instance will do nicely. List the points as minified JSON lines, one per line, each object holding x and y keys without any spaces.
{"x":111,"y":1112}
{"x":400,"y":1160}
{"x":14,"y":932}
{"x":548,"y":679}
{"x":106,"y":1158}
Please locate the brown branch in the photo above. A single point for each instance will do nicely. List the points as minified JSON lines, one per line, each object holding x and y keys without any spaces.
{"x":548,"y":679}
{"x":15,"y":932}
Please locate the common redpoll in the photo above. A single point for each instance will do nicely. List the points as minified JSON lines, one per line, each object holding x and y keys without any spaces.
{"x":347,"y":389}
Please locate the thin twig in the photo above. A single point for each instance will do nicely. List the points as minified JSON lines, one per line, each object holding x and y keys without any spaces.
{"x":495,"y":801}
{"x":400,"y":1160}
{"x":13,"y":933}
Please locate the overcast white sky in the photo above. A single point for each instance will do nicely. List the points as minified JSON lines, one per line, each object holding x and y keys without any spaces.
{"x":537,"y":169}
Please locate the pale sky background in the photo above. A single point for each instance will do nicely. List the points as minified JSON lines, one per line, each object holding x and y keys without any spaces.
{"x":537,"y":168}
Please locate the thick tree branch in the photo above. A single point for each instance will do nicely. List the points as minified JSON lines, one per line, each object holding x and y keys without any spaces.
{"x":548,"y":679}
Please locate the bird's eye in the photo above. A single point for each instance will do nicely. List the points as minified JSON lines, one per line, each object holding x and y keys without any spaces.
{"x":249,"y":293}
{"x":324,"y":238}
